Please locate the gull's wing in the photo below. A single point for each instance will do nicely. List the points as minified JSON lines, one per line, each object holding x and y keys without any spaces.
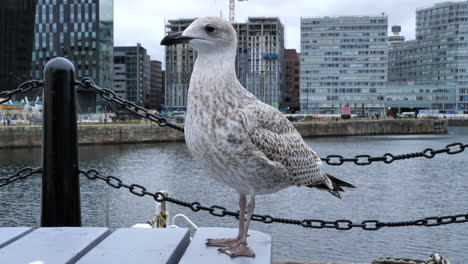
{"x":274,"y":136}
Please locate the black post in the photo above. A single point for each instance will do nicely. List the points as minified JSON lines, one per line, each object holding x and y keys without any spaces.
{"x":60,"y":182}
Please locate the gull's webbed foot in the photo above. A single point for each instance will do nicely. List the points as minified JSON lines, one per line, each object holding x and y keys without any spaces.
{"x":237,"y":250}
{"x":221,"y":242}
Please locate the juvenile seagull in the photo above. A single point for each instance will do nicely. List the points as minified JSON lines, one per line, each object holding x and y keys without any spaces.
{"x":240,"y":141}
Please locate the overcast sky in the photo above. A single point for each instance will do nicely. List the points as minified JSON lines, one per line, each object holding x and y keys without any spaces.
{"x":142,"y":21}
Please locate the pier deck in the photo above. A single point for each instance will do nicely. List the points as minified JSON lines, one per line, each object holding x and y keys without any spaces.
{"x":89,"y":245}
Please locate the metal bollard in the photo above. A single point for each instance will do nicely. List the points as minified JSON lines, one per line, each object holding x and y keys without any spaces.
{"x":163,"y":214}
{"x":60,"y":178}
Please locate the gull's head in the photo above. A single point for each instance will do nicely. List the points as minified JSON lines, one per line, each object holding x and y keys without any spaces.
{"x":206,"y":35}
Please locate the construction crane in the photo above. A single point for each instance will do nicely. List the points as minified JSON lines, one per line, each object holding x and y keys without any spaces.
{"x":232,"y":10}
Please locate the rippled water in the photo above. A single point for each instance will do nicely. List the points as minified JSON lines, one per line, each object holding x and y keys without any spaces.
{"x":403,"y":190}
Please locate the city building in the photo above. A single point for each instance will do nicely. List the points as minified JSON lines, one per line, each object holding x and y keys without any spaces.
{"x":82,"y":31}
{"x":134,"y":62}
{"x":16,"y":38}
{"x":120,"y":74}
{"x":164,"y":86}
{"x":292,"y":82}
{"x":146,"y":80}
{"x":396,"y":38}
{"x":344,"y":62}
{"x":439,"y":54}
{"x":419,"y":96}
{"x":156,"y":91}
{"x":179,"y":64}
{"x":260,"y":58}
{"x":259,"y":61}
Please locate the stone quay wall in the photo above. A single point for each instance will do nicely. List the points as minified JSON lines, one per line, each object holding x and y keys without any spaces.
{"x":31,"y":136}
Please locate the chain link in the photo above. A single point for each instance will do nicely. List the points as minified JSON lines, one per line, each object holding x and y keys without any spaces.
{"x":20,"y":175}
{"x":22,"y":88}
{"x":219,"y":211}
{"x":111,"y":96}
{"x":451,"y":149}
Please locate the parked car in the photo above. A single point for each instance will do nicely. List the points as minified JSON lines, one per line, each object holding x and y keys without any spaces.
{"x":407,"y":114}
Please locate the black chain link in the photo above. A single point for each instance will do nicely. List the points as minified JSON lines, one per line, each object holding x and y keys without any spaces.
{"x":22,"y":88}
{"x":111,"y":96}
{"x":337,"y":160}
{"x":20,"y":175}
{"x":219,"y":211}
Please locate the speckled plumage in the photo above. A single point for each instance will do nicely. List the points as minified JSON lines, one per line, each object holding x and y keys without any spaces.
{"x":242,"y":142}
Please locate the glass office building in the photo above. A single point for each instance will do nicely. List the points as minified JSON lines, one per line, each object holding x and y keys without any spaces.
{"x":344,"y":62}
{"x":439,"y":55}
{"x":414,"y":97}
{"x":16,"y":41}
{"x":82,"y":31}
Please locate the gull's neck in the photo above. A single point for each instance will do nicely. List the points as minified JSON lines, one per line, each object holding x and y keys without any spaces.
{"x":214,"y":81}
{"x":215,"y":64}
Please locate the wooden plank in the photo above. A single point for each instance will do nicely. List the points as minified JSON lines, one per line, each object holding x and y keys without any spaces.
{"x":140,"y":245}
{"x":198,"y":252}
{"x":10,"y":234}
{"x":53,"y":245}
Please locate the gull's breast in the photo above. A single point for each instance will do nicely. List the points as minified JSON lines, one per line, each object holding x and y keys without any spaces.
{"x":221,"y":146}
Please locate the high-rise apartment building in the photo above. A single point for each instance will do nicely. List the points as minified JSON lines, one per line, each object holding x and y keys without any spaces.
{"x":82,"y":31}
{"x":439,"y":55}
{"x":343,"y":62}
{"x":260,"y":58}
{"x":135,"y":61}
{"x":180,"y":59}
{"x":259,"y":62}
{"x":156,"y":91}
{"x":16,"y":38}
{"x":292,"y":80}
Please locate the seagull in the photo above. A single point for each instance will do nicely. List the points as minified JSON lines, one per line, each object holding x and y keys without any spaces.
{"x":239,"y":140}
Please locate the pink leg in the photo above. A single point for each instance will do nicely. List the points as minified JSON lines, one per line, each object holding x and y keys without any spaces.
{"x":240,"y":248}
{"x":224,"y":242}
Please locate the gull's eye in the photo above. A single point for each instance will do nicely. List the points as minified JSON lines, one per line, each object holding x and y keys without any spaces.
{"x":209,"y":28}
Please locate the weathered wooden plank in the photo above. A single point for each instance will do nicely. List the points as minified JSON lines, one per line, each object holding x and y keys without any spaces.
{"x":53,"y":245}
{"x":140,"y":245}
{"x":198,"y":252}
{"x":10,"y":234}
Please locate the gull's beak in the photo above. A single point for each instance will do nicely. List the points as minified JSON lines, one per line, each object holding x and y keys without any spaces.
{"x":175,"y":38}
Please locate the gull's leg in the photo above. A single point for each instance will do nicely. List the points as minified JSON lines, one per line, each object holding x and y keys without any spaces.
{"x":224,"y":242}
{"x":240,"y":248}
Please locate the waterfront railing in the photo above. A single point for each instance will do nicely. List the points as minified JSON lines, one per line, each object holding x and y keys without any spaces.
{"x":60,"y":169}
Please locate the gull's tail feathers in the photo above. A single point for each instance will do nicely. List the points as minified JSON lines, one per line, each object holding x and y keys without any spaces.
{"x":336,"y":184}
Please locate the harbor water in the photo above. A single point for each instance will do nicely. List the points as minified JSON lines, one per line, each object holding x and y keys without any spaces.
{"x":401,"y":191}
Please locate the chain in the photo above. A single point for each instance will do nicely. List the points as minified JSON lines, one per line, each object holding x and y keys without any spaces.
{"x":19,"y":175}
{"x":433,"y":259}
{"x":111,"y":96}
{"x":334,"y":160}
{"x":22,"y":88}
{"x":215,"y":210}
{"x":337,"y":160}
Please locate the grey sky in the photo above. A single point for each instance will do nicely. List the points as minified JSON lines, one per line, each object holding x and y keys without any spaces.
{"x":143,"y":20}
